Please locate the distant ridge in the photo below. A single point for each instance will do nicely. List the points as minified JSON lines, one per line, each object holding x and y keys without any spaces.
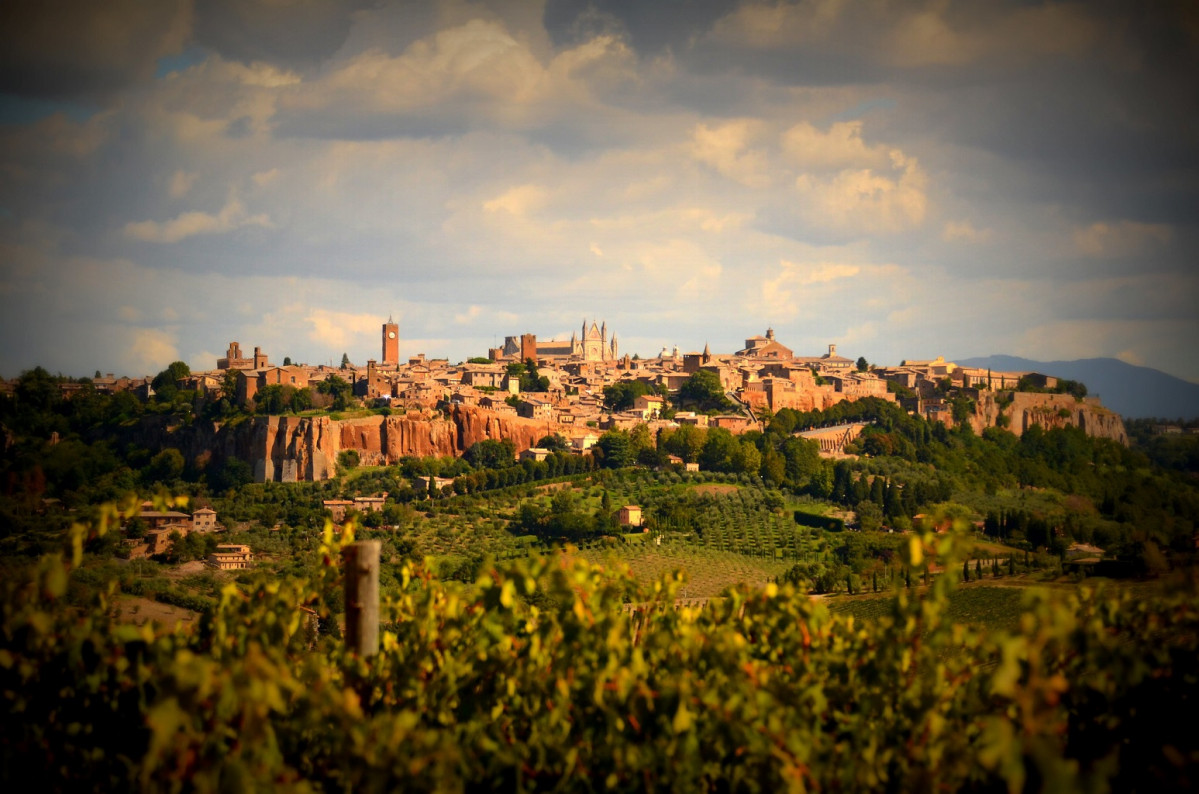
{"x":1132,"y":391}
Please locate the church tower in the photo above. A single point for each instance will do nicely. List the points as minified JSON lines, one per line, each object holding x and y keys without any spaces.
{"x":391,"y":344}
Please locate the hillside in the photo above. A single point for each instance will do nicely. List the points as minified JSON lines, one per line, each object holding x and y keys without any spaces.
{"x":1132,"y":391}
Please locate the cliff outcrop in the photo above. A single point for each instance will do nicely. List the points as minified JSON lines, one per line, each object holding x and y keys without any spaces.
{"x":1022,"y":410}
{"x":290,"y":449}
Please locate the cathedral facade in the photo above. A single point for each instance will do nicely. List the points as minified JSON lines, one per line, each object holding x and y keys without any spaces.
{"x":591,"y":344}
{"x":595,"y":344}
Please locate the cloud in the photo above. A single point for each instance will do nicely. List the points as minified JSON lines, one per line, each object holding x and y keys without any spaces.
{"x":181,"y":183}
{"x":896,"y":35}
{"x":341,"y":330}
{"x":189,"y":224}
{"x":264,"y":178}
{"x":1131,"y":357}
{"x":797,"y":285}
{"x":78,"y":48}
{"x":151,"y":350}
{"x":520,"y":200}
{"x":839,"y":148}
{"x":456,"y":79}
{"x":867,"y":200}
{"x":1120,"y":238}
{"x":468,"y":316}
{"x":928,"y":38}
{"x":1160,"y":343}
{"x":293,"y":32}
{"x":725,"y":147}
{"x":964,"y":231}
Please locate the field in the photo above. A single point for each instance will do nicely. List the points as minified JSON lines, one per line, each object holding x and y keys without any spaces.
{"x":982,"y":606}
{"x":708,"y":573}
{"x":719,"y":533}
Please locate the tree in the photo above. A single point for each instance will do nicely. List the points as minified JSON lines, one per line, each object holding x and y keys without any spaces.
{"x":746,"y":459}
{"x":491,"y":454}
{"x":478,"y":360}
{"x":621,"y":396}
{"x":719,"y":449}
{"x":345,"y":360}
{"x":687,"y":441}
{"x":341,"y":391}
{"x":774,"y":467}
{"x":863,"y":365}
{"x":703,"y":390}
{"x":554,"y":443}
{"x":166,"y":466}
{"x":166,"y":383}
{"x":870,"y":516}
{"x":616,"y":448}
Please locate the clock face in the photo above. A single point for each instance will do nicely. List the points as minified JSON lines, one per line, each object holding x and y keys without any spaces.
{"x":391,"y":334}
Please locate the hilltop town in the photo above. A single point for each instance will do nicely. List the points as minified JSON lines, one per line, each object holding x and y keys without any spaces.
{"x":576,"y":389}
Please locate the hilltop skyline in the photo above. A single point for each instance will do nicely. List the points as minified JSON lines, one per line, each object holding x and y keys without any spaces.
{"x":902,"y":180}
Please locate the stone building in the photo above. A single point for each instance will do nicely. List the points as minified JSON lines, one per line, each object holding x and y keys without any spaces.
{"x":231,"y":557}
{"x":592,"y":344}
{"x":204,"y":520}
{"x":765,"y":347}
{"x":235,"y":360}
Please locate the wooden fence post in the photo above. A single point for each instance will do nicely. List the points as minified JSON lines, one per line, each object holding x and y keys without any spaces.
{"x":361,"y":566}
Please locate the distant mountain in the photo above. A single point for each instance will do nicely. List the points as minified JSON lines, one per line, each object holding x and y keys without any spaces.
{"x":1131,"y":391}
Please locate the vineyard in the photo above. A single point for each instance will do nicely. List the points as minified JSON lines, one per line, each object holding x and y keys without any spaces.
{"x":720,"y":533}
{"x":536,"y":677}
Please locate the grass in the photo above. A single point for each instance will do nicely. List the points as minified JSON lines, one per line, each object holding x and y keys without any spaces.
{"x":982,"y":606}
{"x":708,"y":572}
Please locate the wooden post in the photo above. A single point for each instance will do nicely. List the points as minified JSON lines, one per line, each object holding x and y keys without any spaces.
{"x":361,"y":566}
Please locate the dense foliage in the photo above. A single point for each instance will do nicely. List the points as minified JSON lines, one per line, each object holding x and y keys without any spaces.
{"x":539,"y":677}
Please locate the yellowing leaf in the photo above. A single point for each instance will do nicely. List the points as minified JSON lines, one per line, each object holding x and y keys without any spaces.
{"x":683,"y":719}
{"x":916,"y":549}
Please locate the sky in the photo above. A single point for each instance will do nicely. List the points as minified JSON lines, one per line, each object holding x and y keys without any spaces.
{"x":902,"y":179}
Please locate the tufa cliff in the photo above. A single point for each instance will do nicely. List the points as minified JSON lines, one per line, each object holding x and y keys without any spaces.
{"x":1025,"y":409}
{"x":290,"y":449}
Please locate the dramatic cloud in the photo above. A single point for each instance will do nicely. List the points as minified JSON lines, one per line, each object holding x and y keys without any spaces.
{"x":77,"y":48}
{"x":905,"y":180}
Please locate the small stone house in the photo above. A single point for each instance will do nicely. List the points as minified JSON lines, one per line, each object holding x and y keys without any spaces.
{"x":231,"y":557}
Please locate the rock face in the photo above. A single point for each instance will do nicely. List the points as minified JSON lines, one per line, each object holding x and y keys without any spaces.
{"x":293,"y":448}
{"x":1048,"y":411}
{"x":290,"y":449}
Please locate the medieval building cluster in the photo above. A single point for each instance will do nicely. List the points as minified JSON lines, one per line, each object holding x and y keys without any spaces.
{"x":761,"y":378}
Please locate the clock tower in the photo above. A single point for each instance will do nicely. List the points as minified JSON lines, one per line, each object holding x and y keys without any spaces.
{"x":391,"y":344}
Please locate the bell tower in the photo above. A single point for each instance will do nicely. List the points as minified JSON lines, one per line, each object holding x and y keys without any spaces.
{"x":391,"y":343}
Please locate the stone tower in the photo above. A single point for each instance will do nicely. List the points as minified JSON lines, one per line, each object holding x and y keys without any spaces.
{"x":391,"y":344}
{"x":528,"y":348}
